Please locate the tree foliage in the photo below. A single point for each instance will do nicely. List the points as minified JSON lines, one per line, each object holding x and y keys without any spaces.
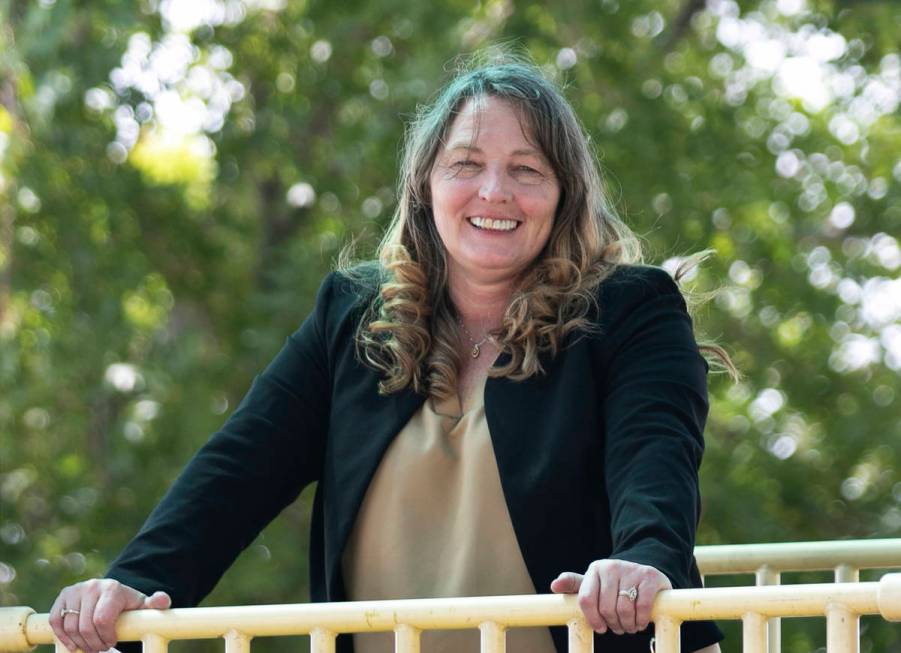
{"x":176,"y":178}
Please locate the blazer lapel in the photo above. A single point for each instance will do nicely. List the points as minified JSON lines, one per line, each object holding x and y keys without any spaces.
{"x":364,"y":424}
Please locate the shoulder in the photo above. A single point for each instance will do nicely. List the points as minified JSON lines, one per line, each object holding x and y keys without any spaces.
{"x":359,"y":283}
{"x":628,"y":288}
{"x":343,"y":297}
{"x":647,"y":280}
{"x":641,"y":310}
{"x":349,"y":287}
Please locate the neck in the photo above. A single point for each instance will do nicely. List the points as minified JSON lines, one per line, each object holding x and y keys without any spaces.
{"x":480,"y":304}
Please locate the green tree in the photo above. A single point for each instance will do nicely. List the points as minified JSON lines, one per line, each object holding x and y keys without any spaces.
{"x":176,"y":178}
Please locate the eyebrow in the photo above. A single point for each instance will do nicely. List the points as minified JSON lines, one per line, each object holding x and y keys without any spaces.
{"x":472,"y":148}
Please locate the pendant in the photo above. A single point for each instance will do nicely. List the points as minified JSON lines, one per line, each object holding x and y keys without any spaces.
{"x":476,"y":351}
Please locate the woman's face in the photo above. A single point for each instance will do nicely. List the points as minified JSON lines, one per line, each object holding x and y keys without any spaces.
{"x":493,"y":193}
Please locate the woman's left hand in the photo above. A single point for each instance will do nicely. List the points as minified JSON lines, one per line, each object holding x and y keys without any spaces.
{"x":603,"y":594}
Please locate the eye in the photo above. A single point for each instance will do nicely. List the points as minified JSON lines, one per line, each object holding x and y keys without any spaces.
{"x":464,"y":168}
{"x":526,"y":174}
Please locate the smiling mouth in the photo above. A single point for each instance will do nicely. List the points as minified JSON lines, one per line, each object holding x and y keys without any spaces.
{"x":492,"y":224}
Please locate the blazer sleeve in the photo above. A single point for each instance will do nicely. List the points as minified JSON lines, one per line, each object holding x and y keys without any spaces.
{"x":655,"y":410}
{"x":269,"y":449}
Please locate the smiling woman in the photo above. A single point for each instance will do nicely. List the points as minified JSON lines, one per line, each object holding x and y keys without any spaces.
{"x":505,"y":402}
{"x":544,"y":277}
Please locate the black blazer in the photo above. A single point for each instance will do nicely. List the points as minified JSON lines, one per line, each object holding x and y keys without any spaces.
{"x":598,"y":458}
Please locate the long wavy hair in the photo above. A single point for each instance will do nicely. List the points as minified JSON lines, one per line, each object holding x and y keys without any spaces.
{"x":409,"y":330}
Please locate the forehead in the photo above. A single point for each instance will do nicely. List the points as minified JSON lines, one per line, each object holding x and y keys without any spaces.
{"x":490,"y":119}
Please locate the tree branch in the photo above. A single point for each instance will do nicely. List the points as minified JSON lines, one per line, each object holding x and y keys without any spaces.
{"x":682,"y":23}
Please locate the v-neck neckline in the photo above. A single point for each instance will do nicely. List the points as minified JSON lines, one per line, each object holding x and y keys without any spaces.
{"x":452,"y":407}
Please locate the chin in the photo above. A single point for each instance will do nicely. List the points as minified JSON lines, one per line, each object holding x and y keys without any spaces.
{"x":499,"y":269}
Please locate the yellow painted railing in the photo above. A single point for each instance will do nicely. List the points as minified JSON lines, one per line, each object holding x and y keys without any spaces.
{"x":21,"y":628}
{"x":845,"y":558}
{"x":841,"y":603}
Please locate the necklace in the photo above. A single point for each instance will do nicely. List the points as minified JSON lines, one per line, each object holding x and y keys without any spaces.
{"x":476,"y":346}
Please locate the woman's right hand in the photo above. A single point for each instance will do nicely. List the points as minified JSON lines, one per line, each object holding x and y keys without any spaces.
{"x":84,"y":615}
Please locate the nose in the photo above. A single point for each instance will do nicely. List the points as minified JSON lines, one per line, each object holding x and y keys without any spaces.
{"x":494,"y":187}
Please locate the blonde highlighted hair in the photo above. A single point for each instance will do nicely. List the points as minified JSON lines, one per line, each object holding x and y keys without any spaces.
{"x":409,"y":331}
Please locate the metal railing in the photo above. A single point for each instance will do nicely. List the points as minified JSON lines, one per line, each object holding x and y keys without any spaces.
{"x":845,"y":558}
{"x":842,"y":556}
{"x":841,"y":603}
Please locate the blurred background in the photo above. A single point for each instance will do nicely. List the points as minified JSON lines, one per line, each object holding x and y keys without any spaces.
{"x":177,"y":177}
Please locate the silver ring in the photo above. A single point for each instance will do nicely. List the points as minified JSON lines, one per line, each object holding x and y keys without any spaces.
{"x":631,"y":593}
{"x":70,"y":611}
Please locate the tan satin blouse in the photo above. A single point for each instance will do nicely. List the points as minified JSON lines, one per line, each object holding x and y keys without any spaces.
{"x":434,"y":523}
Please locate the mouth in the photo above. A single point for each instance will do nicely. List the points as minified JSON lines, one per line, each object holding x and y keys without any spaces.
{"x":493,"y":224}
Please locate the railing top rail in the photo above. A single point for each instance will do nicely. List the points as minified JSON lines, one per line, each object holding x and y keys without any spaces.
{"x":883,"y":597}
{"x":799,"y":556}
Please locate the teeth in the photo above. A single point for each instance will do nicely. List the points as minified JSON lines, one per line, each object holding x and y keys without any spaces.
{"x":496,"y":225}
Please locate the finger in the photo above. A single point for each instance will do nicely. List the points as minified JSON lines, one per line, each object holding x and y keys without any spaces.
{"x":70,"y":625}
{"x":567,"y":583}
{"x":625,"y":607}
{"x":86,"y":624}
{"x":644,"y":603}
{"x":158,"y":601}
{"x":106,"y":613}
{"x":56,"y":623}
{"x":607,"y":601}
{"x":588,"y":601}
{"x":131,"y":599}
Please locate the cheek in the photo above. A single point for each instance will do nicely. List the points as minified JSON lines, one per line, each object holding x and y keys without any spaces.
{"x":443,"y":215}
{"x":445,"y":197}
{"x":543,"y":206}
{"x":545,"y":210}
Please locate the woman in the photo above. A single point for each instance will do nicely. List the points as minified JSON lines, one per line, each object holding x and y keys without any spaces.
{"x":505,"y":361}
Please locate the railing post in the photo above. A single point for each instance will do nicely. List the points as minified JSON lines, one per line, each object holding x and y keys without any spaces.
{"x":768,"y":576}
{"x":581,"y":636}
{"x":321,"y":641}
{"x":754,"y":633}
{"x":851,"y":622}
{"x":847,"y":574}
{"x":667,"y":638}
{"x":236,"y":642}
{"x":841,"y":630}
{"x":153,"y":643}
{"x":406,"y":639}
{"x":493,"y":637}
